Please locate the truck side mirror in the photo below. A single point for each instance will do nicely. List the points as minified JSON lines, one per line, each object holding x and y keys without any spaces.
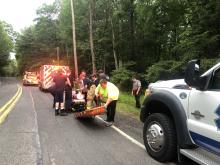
{"x":192,"y":77}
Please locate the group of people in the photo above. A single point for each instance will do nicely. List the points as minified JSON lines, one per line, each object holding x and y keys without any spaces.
{"x":96,"y":90}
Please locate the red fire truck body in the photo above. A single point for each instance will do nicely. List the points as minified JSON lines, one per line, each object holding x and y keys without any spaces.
{"x":47,"y":73}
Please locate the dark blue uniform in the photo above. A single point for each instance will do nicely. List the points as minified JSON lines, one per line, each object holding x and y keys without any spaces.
{"x":60,"y":82}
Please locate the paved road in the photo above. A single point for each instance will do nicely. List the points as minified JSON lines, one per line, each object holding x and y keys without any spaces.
{"x":8,"y":87}
{"x":31,"y":134}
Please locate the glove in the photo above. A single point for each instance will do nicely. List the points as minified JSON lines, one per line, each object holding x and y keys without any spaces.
{"x":105,"y":106}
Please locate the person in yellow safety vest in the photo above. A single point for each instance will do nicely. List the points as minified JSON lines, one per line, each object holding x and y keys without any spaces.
{"x":108,"y":93}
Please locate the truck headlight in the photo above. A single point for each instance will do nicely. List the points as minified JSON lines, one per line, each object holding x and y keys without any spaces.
{"x":148,"y":92}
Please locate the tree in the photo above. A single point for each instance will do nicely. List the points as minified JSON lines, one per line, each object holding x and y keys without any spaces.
{"x":135,"y":35}
{"x":37,"y":44}
{"x":46,"y":29}
{"x":91,"y":4}
{"x":201,"y":37}
{"x":6,"y":46}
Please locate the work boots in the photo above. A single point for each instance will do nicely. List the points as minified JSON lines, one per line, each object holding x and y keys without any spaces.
{"x":63,"y":112}
{"x":60,"y":112}
{"x":56,"y":112}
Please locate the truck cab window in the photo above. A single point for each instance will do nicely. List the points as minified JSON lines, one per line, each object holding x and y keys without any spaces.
{"x":215,"y":83}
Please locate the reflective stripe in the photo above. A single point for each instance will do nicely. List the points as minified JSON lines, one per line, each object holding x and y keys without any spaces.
{"x":47,"y":74}
{"x":205,"y":142}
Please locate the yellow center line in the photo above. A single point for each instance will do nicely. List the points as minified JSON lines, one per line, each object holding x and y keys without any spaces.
{"x":10,"y":101}
{"x":5,"y":110}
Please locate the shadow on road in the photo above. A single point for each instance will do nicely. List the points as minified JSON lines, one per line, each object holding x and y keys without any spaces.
{"x":92,"y":123}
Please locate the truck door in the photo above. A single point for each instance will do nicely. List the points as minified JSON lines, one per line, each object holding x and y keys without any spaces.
{"x":204,"y":115}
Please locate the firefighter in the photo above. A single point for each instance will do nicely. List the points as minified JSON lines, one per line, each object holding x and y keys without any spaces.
{"x":108,"y":93}
{"x":60,"y":81}
{"x":51,"y":89}
{"x":68,"y":94}
{"x":95,"y":81}
{"x":84,"y":83}
{"x":91,"y":99}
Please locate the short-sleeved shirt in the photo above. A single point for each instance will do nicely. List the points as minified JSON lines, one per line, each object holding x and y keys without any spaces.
{"x":60,"y":81}
{"x":96,"y":82}
{"x":110,"y":91}
{"x":84,"y":84}
{"x":136,"y":85}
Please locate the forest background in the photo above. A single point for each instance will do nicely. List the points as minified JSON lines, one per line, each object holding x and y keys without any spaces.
{"x":152,"y":38}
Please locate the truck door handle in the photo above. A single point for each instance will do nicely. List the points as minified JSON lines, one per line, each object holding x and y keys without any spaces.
{"x":197,"y":114}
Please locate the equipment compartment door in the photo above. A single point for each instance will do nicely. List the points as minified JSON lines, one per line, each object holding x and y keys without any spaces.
{"x":204,"y":115}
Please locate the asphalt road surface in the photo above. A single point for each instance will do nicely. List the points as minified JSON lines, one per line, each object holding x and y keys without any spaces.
{"x":32,"y":134}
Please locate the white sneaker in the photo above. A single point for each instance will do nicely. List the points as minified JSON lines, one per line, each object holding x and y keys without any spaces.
{"x":108,"y":124}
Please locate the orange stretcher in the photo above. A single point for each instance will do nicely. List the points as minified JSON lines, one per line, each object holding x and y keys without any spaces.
{"x":90,"y":113}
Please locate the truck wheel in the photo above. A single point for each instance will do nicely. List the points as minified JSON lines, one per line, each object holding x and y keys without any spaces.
{"x":160,"y":137}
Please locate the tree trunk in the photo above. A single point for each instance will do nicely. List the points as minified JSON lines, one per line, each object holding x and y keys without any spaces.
{"x":120,"y":63}
{"x":67,"y":55}
{"x":121,"y":58}
{"x":91,"y":36}
{"x":131,"y":13}
{"x":113,"y":44}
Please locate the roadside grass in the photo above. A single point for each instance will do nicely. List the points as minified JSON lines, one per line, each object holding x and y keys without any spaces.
{"x":126,"y":104}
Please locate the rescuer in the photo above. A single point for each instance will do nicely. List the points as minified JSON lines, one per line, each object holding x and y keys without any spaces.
{"x":108,"y":94}
{"x":84,"y":83}
{"x":68,"y":93}
{"x":60,"y":81}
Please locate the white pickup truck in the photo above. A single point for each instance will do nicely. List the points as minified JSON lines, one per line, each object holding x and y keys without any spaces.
{"x":182,"y":117}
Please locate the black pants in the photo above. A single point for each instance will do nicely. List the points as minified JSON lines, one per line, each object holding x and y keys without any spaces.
{"x":85,"y":94}
{"x":59,"y":96}
{"x":52,"y":89}
{"x":137,"y":99}
{"x":68,"y":98}
{"x":111,"y":111}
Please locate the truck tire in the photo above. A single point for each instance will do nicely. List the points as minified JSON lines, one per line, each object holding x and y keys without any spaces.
{"x":160,"y":138}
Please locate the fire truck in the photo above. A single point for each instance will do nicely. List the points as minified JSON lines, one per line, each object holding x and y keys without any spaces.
{"x":47,"y":73}
{"x":30,"y":78}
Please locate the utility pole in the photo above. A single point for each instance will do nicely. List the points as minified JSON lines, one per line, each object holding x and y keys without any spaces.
{"x":74,"y":41}
{"x":58,"y":55}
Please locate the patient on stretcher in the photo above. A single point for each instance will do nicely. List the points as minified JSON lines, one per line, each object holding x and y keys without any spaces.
{"x":90,"y":97}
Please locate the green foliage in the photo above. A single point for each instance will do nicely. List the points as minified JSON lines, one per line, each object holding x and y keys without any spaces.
{"x":122,"y":78}
{"x":200,"y":37}
{"x":126,"y":104}
{"x":207,"y":64}
{"x":11,"y":33}
{"x":164,"y":70}
{"x":37,"y":44}
{"x":157,"y":35}
{"x":65,"y":23}
{"x":6,"y":46}
{"x":11,"y":69}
